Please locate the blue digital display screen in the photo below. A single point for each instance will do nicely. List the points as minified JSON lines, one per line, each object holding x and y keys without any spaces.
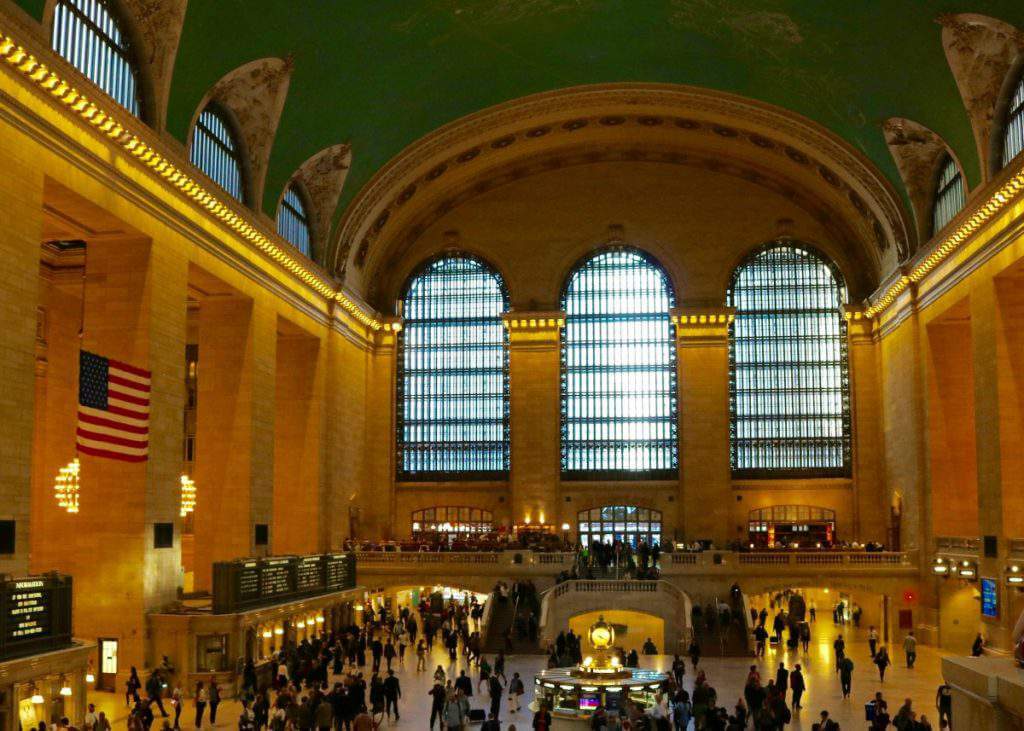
{"x":989,"y":598}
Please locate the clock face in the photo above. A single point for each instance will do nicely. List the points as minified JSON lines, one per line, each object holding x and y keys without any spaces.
{"x":601,"y":636}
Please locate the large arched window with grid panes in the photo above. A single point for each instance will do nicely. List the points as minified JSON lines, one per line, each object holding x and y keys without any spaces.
{"x":949,"y":194}
{"x":452,"y":384}
{"x":789,"y":382}
{"x":293,"y":219}
{"x":1013,"y":131}
{"x":88,"y":34}
{"x":618,"y":370}
{"x":216,"y":150}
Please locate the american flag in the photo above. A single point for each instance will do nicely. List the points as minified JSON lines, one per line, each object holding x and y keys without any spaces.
{"x":113,"y":409}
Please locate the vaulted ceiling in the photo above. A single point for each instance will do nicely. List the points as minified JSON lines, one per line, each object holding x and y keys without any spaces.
{"x":379,"y":75}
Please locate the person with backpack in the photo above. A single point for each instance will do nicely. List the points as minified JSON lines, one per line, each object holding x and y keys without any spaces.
{"x":882,"y":661}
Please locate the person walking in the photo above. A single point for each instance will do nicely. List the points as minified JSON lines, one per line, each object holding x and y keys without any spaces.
{"x":882,"y":661}
{"x":495,"y":688}
{"x":201,"y":697}
{"x":392,"y":692}
{"x":846,"y":675}
{"x":796,"y":683}
{"x":872,"y":640}
{"x":214,"y":702}
{"x":782,"y":681}
{"x":840,"y":647}
{"x":515,"y":693}
{"x":944,"y":704}
{"x":438,"y":698}
{"x":910,"y":649}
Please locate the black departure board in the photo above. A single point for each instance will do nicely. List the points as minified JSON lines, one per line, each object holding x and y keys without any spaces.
{"x":250,"y":583}
{"x":35,"y":612}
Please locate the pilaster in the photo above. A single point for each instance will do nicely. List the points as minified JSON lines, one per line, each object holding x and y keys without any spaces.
{"x":534,"y":401}
{"x":702,"y":361}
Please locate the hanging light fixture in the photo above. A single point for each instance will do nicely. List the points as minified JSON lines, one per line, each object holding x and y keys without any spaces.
{"x":65,"y":487}
{"x":65,"y":688}
{"x":188,"y":495}
{"x":36,"y":697}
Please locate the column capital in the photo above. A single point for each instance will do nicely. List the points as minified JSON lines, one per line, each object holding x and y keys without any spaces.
{"x":534,"y":328}
{"x":387,"y":336}
{"x":698,"y":326}
{"x":859,"y":327}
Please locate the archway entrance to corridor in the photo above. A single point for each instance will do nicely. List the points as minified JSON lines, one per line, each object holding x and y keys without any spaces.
{"x":826,"y":611}
{"x":632,"y":628}
{"x":627,"y":523}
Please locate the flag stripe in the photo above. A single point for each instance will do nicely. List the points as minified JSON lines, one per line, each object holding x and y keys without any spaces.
{"x":115,"y":414}
{"x":125,"y":396}
{"x":130,"y":385}
{"x":96,"y":452}
{"x":110,"y":446}
{"x":97,"y":421}
{"x":129,"y":369}
{"x":102,"y":435}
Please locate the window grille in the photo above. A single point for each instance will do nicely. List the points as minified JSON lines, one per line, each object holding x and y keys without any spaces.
{"x":788,"y":376}
{"x":627,"y":523}
{"x":215,"y":151}
{"x":453,"y":411}
{"x":619,"y":397}
{"x":1013,"y":137}
{"x":949,"y":195}
{"x":292,"y":220}
{"x":88,"y":36}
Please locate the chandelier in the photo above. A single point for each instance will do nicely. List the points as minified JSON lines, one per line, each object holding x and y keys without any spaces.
{"x":188,"y":495}
{"x":65,"y":487}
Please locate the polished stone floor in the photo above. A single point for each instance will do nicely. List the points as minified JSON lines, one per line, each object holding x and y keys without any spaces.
{"x":726,"y":675}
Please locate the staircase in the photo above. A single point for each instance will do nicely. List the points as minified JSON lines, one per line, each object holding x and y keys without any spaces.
{"x":723,"y":640}
{"x":503,"y":615}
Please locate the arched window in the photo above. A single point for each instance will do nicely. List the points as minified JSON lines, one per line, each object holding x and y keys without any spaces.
{"x":626,"y":523}
{"x":86,"y":33}
{"x":788,"y":376}
{"x":453,"y":374}
{"x":293,"y":221}
{"x":949,"y":194}
{"x":216,"y":151}
{"x":1013,"y":135}
{"x":618,"y":370}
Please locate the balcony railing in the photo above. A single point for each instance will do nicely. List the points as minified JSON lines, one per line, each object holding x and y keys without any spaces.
{"x":707,"y":562}
{"x":961,"y":545}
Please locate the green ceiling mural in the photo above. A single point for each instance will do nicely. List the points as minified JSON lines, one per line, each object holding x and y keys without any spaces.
{"x":381,"y":73}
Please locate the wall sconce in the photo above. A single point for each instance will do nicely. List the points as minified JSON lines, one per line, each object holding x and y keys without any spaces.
{"x":967,"y":570}
{"x":526,"y":520}
{"x":565,"y":527}
{"x":541,"y":518}
{"x":267,"y":634}
{"x":278,"y":631}
{"x":319,"y":620}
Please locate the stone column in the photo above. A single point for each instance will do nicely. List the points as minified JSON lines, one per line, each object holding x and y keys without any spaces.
{"x":234,"y":431}
{"x":871,"y":519}
{"x":375,"y":503}
{"x":997,"y":434}
{"x":297,"y":425}
{"x":21,"y":209}
{"x":702,"y":360}
{"x":534,"y":400}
